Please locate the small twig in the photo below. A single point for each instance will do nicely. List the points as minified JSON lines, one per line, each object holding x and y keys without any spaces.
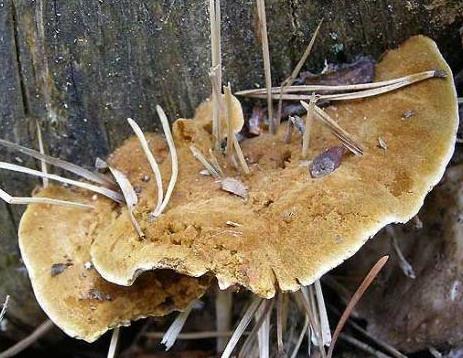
{"x":355,"y":299}
{"x":43,"y":164}
{"x":363,"y":346}
{"x":111,"y":194}
{"x":266,"y":56}
{"x":173,"y":158}
{"x":202,"y":159}
{"x":13,"y":200}
{"x":4,"y":307}
{"x":84,"y":173}
{"x":172,"y":333}
{"x":242,"y":325}
{"x":26,"y":342}
{"x":290,"y":80}
{"x":114,"y":342}
{"x":308,"y":127}
{"x":151,"y":160}
{"x":130,"y":197}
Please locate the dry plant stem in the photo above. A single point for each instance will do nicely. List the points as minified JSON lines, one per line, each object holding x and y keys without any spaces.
{"x":244,"y":322}
{"x":339,"y":88}
{"x":318,"y":328}
{"x":194,"y":335}
{"x":290,"y":80}
{"x":130,"y":197}
{"x":215,"y":96}
{"x":228,"y":112}
{"x":279,"y":312}
{"x":173,"y":157}
{"x":301,"y":337}
{"x":308,"y":127}
{"x":312,"y":319}
{"x":216,"y":51}
{"x":241,"y":159}
{"x":215,"y":162}
{"x":4,"y":307}
{"x":84,"y":173}
{"x":202,"y":159}
{"x":29,"y":340}
{"x":339,"y":132}
{"x":363,"y":346}
{"x":223,"y":315}
{"x":354,"y":300}
{"x":172,"y":333}
{"x":323,"y":315}
{"x":97,"y":189}
{"x":43,"y":164}
{"x":263,"y":334}
{"x":113,"y":344}
{"x":40,"y":200}
{"x":266,"y":56}
{"x":151,"y":160}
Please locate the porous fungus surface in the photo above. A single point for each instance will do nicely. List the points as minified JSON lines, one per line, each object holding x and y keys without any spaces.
{"x":55,"y":244}
{"x":292,"y":228}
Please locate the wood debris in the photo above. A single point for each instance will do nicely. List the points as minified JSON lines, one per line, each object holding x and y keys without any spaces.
{"x":59,"y":268}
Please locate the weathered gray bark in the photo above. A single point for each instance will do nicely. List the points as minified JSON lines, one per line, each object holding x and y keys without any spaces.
{"x":82,"y":67}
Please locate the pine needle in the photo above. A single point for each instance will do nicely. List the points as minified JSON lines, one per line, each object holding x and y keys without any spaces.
{"x":4,"y":307}
{"x":405,"y":266}
{"x":223,"y":315}
{"x":130,"y":197}
{"x":261,"y":93}
{"x":308,"y":127}
{"x":266,"y":56}
{"x":152,"y":161}
{"x":215,"y":162}
{"x":279,"y":310}
{"x":173,"y":158}
{"x":336,"y":129}
{"x":94,"y":188}
{"x":242,"y":325}
{"x":202,"y":159}
{"x":303,"y":295}
{"x":175,"y":328}
{"x":216,"y":71}
{"x":240,"y":155}
{"x":114,"y":342}
{"x":228,"y":114}
{"x":354,"y":300}
{"x":290,"y":80}
{"x":84,"y":173}
{"x":300,"y":338}
{"x":216,"y":99}
{"x":363,"y":346}
{"x":322,"y":314}
{"x":263,"y":334}
{"x":40,"y":200}
{"x":42,"y":151}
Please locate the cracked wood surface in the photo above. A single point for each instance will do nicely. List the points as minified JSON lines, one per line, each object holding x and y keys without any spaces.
{"x":82,"y":67}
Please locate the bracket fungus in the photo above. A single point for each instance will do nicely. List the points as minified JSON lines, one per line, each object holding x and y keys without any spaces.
{"x":294,"y":228}
{"x":55,"y":244}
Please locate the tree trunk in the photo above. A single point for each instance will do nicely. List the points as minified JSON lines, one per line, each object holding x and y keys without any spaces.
{"x":80,"y":68}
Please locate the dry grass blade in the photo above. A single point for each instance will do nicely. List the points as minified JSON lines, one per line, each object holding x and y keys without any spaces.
{"x":4,"y":307}
{"x":173,"y":158}
{"x":262,"y":315}
{"x":26,"y":342}
{"x":84,"y":173}
{"x":43,"y":164}
{"x":303,"y":297}
{"x":151,"y":160}
{"x":323,"y":315}
{"x":14,"y":200}
{"x":242,"y":325}
{"x":97,"y":189}
{"x":289,"y":81}
{"x":113,"y":344}
{"x":215,"y":162}
{"x":266,"y":55}
{"x":228,"y":114}
{"x":130,"y":197}
{"x":339,"y":88}
{"x":340,"y":133}
{"x":363,"y":346}
{"x":279,"y":310}
{"x":240,"y":155}
{"x":354,"y":300}
{"x":308,"y":127}
{"x":300,"y":338}
{"x":202,"y":159}
{"x":193,"y":335}
{"x":172,"y":333}
{"x":216,"y":98}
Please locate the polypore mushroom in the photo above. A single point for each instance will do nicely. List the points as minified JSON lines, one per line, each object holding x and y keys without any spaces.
{"x":55,"y":243}
{"x":294,"y":228}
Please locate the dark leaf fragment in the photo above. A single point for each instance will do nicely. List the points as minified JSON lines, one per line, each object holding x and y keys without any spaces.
{"x":326,"y":162}
{"x":58,"y":268}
